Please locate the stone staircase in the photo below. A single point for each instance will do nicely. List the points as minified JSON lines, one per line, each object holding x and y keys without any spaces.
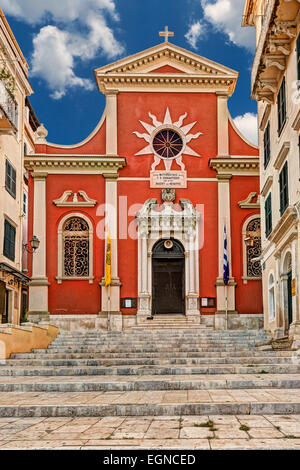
{"x":170,"y":321}
{"x":151,"y":372}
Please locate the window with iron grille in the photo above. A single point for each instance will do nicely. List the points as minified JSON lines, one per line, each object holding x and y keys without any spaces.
{"x":254,"y":248}
{"x":76,"y":248}
{"x":281,"y":106}
{"x":268,"y":214}
{"x":9,"y":241}
{"x":267,"y":146}
{"x":284,"y":188}
{"x":10,"y":179}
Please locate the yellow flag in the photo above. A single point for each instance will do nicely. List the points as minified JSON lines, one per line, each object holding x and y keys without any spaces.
{"x":108,"y":261}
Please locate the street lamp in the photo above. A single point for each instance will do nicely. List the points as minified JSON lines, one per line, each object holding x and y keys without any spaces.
{"x":34,"y":244}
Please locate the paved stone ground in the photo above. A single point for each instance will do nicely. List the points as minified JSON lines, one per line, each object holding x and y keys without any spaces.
{"x":164,"y":432}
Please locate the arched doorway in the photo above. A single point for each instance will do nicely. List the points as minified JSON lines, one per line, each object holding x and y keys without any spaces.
{"x":168,"y":277}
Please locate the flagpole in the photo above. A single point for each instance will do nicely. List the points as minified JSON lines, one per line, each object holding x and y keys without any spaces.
{"x":226,"y":304}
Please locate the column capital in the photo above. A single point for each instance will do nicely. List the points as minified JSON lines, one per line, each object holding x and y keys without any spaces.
{"x":39,"y":175}
{"x":223,"y":178}
{"x":222,"y":94}
{"x":111,"y":92}
{"x":111,"y":176}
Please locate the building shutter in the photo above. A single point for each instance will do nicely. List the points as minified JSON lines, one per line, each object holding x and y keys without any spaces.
{"x":268,"y":215}
{"x":10,"y":179}
{"x":9,"y":241}
{"x":284,"y":189}
{"x":2,"y":297}
{"x":267,"y":152}
{"x":281,"y":106}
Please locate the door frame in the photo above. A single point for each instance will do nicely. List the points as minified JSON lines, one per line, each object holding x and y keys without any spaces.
{"x":166,"y":256}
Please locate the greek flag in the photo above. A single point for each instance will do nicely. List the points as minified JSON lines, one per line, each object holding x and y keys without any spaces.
{"x":226,"y":262}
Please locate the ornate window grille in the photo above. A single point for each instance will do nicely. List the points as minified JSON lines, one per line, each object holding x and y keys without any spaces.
{"x":254,"y":248}
{"x":76,"y":248}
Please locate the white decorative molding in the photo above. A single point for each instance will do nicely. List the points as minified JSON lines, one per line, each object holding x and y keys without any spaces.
{"x":41,"y":135}
{"x":141,"y":71}
{"x":72,"y":164}
{"x":178,"y":221}
{"x":265,"y":117}
{"x":267,"y":186}
{"x":275,"y":60}
{"x":178,"y":127}
{"x":281,"y":155}
{"x":60,"y":249}
{"x":64,"y":200}
{"x":248,"y":204}
{"x":235,"y":165}
{"x":296,"y":123}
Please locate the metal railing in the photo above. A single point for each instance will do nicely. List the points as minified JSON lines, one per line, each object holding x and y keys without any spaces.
{"x":9,"y":105}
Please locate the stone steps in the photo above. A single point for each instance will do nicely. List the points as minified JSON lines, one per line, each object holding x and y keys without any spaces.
{"x":151,"y":373}
{"x":150,"y":370}
{"x":144,"y":361}
{"x":47,"y":355}
{"x":213,"y":402}
{"x":121,"y":384}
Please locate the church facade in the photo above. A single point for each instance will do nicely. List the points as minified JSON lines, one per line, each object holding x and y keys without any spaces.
{"x":170,"y":180}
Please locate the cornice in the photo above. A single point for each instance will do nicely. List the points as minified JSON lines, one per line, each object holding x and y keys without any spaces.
{"x":125,"y":82}
{"x":285,"y":148}
{"x":285,"y":222}
{"x":267,"y":186}
{"x":100,"y":164}
{"x":296,"y":123}
{"x":236,"y":166}
{"x":265,"y":117}
{"x":273,"y":48}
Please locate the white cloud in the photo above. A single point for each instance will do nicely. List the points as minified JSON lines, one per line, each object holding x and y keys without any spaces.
{"x":226,"y":16}
{"x":53,"y":61}
{"x":35,"y":11}
{"x":80,"y":31}
{"x":247,"y":125}
{"x":194,"y":33}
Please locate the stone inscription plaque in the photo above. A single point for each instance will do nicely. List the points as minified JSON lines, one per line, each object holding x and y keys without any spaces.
{"x":168,"y":179}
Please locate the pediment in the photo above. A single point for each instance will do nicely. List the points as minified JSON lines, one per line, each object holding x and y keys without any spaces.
{"x":166,"y":54}
{"x":165,"y":59}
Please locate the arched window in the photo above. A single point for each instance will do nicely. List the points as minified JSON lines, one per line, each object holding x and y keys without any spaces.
{"x":75,"y":248}
{"x":271,"y":298}
{"x":252,"y":249}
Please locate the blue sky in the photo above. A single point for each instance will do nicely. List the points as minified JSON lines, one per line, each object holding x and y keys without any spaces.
{"x":65,"y":40}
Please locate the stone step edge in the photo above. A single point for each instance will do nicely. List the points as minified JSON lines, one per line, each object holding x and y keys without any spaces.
{"x":191,"y":409}
{"x":148,"y":385}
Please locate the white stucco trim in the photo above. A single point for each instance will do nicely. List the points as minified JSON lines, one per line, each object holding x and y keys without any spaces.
{"x":60,"y":277}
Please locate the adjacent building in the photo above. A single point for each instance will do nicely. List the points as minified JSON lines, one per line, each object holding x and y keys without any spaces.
{"x":17,"y":126}
{"x":275,"y":83}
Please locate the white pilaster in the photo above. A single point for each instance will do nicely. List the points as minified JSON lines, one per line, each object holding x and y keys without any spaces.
{"x":111,"y":124}
{"x":222,"y":115}
{"x":111,"y":295}
{"x":38,"y":289}
{"x":224,"y":219}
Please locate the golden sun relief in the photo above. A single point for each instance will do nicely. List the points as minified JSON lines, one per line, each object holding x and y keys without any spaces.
{"x":168,"y":141}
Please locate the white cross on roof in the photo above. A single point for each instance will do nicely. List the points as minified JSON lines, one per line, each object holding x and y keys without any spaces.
{"x":166,"y":33}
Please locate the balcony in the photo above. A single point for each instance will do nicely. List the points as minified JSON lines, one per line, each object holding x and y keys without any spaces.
{"x":8,"y":112}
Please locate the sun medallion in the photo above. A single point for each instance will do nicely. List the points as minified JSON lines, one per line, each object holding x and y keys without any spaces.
{"x":168,"y":141}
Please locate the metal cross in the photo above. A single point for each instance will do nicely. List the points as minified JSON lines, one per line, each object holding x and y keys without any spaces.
{"x":166,"y":33}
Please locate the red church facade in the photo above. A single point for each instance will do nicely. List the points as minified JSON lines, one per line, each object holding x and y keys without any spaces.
{"x":165,"y":171}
